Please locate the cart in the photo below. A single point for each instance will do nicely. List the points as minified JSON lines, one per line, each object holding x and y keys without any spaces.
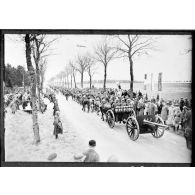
{"x":135,"y":125}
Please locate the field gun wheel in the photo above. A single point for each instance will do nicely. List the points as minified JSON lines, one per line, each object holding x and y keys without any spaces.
{"x":132,"y":128}
{"x":110,"y":118}
{"x":158,"y":131}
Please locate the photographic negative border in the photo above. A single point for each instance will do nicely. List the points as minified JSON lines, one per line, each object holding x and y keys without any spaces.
{"x":87,"y":32}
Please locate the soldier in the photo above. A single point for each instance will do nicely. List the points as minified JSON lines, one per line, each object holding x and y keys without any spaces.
{"x":140,"y":107}
{"x":67,"y":95}
{"x":85,"y":102}
{"x":147,"y":106}
{"x":152,"y":108}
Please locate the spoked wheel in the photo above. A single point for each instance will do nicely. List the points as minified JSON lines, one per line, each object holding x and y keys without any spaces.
{"x":158,"y":131}
{"x":132,"y":128}
{"x":110,"y":118}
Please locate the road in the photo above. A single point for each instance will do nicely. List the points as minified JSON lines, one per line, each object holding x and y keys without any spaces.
{"x":170,"y":148}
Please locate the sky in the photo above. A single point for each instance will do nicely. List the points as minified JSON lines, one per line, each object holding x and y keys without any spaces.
{"x":170,"y":57}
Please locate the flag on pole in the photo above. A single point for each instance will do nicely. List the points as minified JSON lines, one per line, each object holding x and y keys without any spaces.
{"x":145,"y":81}
{"x":160,"y":81}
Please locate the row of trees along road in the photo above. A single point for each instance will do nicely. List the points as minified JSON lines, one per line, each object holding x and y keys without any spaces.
{"x":111,"y":47}
{"x":81,"y":64}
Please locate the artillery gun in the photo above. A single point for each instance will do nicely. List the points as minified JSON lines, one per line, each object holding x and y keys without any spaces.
{"x":136,"y":125}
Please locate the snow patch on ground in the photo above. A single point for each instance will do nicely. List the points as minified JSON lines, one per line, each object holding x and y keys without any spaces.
{"x":19,"y":138}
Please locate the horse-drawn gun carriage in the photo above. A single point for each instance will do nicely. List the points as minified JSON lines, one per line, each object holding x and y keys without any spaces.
{"x":135,"y":125}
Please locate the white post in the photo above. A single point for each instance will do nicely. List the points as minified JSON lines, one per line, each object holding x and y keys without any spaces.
{"x":145,"y":81}
{"x":152,"y":82}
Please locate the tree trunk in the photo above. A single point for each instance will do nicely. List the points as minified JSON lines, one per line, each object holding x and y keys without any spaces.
{"x":75,"y":85}
{"x":41,"y":82}
{"x":131,"y":73}
{"x":105,"y":76}
{"x":33,"y":90}
{"x":71,"y":81}
{"x":90,"y":81}
{"x":65,"y":82}
{"x":38,"y":84}
{"x":37,"y":60}
{"x":81,"y":79}
{"x":68,"y":81}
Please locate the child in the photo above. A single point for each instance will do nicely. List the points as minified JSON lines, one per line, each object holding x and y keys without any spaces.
{"x":13,"y":107}
{"x":58,"y":129}
{"x":89,"y":155}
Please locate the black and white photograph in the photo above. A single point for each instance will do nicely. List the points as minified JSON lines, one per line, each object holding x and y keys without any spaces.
{"x":96,"y":97}
{"x":92,"y":97}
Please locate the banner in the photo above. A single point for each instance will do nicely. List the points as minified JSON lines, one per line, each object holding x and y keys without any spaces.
{"x":160,"y":81}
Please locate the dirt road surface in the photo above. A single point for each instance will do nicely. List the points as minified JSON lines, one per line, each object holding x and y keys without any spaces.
{"x":170,"y":148}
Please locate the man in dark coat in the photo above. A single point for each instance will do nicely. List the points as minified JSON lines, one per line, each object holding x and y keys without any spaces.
{"x":187,"y":123}
{"x":58,"y":129}
{"x":181,"y":104}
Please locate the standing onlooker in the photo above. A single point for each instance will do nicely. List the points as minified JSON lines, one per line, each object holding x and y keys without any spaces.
{"x":187,"y":124}
{"x":186,"y":103}
{"x":187,"y":117}
{"x":159,"y":106}
{"x":164,"y":112}
{"x":58,"y":129}
{"x":177,"y":117}
{"x":13,"y":107}
{"x":171,"y":114}
{"x":181,"y":104}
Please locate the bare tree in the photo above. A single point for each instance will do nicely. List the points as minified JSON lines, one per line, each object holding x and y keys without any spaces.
{"x":67,"y":73}
{"x":91,"y":70}
{"x":28,"y":41}
{"x":81,"y":66}
{"x":73,"y":72}
{"x":131,"y":45}
{"x":43,"y":66}
{"x":41,"y":49}
{"x":104,"y":53}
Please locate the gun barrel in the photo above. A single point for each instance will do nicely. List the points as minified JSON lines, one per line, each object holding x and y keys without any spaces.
{"x":154,"y":124}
